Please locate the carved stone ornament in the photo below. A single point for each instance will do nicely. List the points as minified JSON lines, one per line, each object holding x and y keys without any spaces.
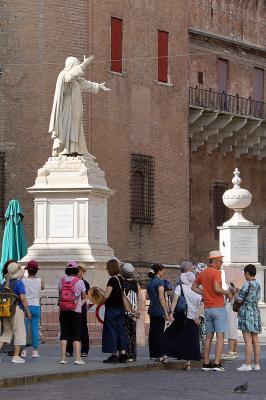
{"x":237,"y":199}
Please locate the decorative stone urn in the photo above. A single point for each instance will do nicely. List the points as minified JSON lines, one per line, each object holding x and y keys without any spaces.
{"x":237,"y":199}
{"x":238,"y":237}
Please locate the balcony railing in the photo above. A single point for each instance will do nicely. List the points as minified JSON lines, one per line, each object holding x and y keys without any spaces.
{"x":226,"y":103}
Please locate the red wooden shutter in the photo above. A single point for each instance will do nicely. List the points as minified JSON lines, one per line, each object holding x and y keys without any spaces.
{"x":116,"y":44}
{"x":163,"y":56}
{"x":222,"y":75}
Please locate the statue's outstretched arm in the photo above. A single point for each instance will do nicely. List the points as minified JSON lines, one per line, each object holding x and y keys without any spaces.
{"x":86,"y":62}
{"x":103,"y":87}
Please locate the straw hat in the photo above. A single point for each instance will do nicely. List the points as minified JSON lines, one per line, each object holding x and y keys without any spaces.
{"x":215,"y":254}
{"x":14,"y":270}
{"x":82,"y":267}
{"x":95,"y":297}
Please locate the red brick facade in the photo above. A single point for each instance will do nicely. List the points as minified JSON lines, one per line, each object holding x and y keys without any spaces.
{"x":139,"y":115}
{"x":234,"y":31}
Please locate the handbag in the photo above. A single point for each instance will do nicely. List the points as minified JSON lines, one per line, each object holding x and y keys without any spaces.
{"x":126,"y":303}
{"x":237,"y":304}
{"x":181,"y":305}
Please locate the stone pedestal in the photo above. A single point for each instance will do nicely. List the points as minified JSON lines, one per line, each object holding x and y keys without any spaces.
{"x":239,"y":244}
{"x":70,"y":218}
{"x":238,"y":239}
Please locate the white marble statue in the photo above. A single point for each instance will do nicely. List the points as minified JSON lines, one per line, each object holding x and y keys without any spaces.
{"x":66,"y":125}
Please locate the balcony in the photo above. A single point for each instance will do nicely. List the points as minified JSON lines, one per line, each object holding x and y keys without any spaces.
{"x":229,"y":123}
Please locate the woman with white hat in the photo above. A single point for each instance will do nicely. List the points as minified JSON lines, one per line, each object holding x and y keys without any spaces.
{"x":132,"y":290}
{"x":181,"y":339}
{"x":15,"y":326}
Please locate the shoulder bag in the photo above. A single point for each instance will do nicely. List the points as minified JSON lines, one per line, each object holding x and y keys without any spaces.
{"x":126,"y":303}
{"x":237,"y":304}
{"x":181,"y":305}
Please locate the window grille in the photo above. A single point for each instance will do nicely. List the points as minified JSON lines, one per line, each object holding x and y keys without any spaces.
{"x":142,"y":189}
{"x":219,"y":211}
{"x":2,"y":184}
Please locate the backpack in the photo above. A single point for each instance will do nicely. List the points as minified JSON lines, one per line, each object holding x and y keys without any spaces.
{"x":68,"y":300}
{"x":8,"y":301}
{"x":181,"y":305}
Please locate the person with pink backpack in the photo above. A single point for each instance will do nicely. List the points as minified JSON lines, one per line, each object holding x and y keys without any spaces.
{"x":72,"y":294}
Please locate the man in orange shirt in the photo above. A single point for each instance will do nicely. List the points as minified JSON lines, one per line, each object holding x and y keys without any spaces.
{"x":209,"y":284}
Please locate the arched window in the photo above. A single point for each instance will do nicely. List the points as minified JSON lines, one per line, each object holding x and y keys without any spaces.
{"x":219,"y":211}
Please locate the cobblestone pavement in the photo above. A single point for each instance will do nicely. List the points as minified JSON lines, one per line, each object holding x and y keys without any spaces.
{"x":163,"y":385}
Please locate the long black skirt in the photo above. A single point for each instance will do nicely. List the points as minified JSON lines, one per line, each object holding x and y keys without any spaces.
{"x":156,"y":335}
{"x":181,"y":339}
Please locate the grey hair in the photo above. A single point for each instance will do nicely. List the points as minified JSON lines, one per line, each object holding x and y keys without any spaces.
{"x":185,"y":265}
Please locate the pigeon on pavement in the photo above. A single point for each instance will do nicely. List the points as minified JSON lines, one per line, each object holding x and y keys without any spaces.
{"x":241,"y":388}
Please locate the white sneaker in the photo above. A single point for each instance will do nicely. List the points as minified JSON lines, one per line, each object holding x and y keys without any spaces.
{"x":79,"y":362}
{"x":63,"y":361}
{"x":35,"y":354}
{"x":245,"y":367}
{"x":23,"y":353}
{"x":17,"y":360}
{"x":256,"y":367}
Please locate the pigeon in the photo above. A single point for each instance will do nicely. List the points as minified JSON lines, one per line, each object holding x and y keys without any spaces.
{"x":241,"y":388}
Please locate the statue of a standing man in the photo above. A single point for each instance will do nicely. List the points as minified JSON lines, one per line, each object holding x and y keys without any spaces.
{"x":66,"y":125}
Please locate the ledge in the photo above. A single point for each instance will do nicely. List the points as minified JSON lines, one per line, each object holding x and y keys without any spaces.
{"x":167,"y":84}
{"x":121,"y":74}
{"x":228,"y":41}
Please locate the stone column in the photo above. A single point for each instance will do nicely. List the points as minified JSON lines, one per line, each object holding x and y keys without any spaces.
{"x":238,"y":239}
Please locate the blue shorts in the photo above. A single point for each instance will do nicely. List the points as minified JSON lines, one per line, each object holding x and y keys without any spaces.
{"x":215,"y":320}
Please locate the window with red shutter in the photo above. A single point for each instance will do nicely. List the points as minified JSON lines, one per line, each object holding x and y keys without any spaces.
{"x":163,"y":38}
{"x":116,"y":44}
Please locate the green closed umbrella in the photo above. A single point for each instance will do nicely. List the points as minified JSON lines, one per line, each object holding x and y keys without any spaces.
{"x":14,"y":242}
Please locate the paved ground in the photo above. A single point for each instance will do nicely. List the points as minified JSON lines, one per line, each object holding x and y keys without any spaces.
{"x":163,"y":385}
{"x":49,"y":362}
{"x":171,"y":384}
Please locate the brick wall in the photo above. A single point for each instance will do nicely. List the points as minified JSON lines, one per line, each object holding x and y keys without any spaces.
{"x":236,"y":21}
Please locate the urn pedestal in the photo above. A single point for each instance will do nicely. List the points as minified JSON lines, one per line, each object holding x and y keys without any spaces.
{"x":238,"y":240}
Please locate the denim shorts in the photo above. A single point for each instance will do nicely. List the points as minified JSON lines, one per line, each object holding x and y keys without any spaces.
{"x":215,"y":320}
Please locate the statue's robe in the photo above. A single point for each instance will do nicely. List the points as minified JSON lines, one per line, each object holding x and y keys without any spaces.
{"x":66,"y":125}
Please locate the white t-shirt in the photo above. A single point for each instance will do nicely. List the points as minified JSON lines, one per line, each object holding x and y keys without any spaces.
{"x":193,"y":300}
{"x":33,"y":290}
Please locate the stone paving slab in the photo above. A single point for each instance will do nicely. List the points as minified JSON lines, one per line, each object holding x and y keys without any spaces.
{"x":47,"y":368}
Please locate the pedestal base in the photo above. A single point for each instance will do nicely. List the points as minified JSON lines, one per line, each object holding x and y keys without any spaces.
{"x":70,"y":218}
{"x":239,"y":244}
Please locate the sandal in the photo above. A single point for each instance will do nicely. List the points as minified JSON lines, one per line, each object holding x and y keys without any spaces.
{"x":186,"y":367}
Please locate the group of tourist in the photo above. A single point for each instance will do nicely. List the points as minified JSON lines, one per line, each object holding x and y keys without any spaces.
{"x":27,"y":313}
{"x":199,"y":298}
{"x":183,"y":319}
